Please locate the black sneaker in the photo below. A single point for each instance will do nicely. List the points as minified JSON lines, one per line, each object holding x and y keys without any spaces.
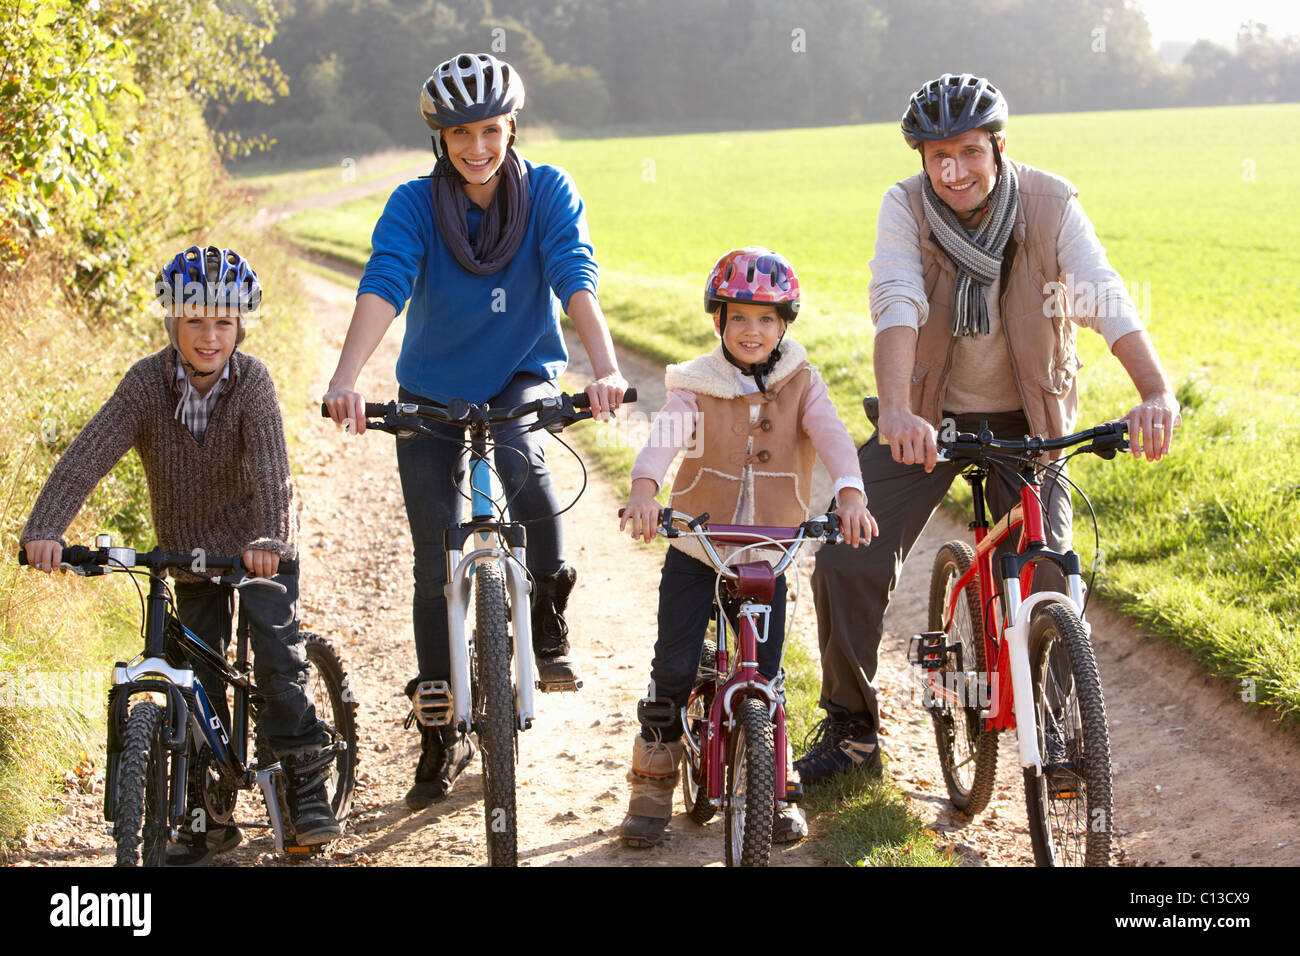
{"x":838,"y":746}
{"x":198,"y":849}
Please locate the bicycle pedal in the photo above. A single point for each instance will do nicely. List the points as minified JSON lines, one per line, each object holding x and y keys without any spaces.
{"x":432,"y":703}
{"x":928,"y":650}
{"x":793,"y":791}
{"x":658,"y":712}
{"x":560,"y":686}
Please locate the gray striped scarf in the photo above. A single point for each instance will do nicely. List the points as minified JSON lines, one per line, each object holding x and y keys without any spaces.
{"x":979,"y":257}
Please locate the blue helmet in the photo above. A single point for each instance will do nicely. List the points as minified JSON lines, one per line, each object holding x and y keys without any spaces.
{"x":468,"y":88}
{"x":197,"y":278}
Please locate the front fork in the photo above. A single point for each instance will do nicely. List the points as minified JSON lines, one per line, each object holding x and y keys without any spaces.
{"x":744,"y":681}
{"x":1017,"y":640}
{"x":460,"y":567}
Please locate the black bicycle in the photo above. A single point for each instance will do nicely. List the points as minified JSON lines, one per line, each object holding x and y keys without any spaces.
{"x":164,"y":735}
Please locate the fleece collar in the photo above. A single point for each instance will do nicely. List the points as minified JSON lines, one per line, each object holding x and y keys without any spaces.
{"x":713,"y":375}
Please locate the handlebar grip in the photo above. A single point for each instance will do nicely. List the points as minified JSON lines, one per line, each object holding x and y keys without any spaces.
{"x":373,"y":410}
{"x":22,"y":555}
{"x":583,"y":400}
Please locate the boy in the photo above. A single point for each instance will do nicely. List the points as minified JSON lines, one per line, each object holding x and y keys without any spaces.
{"x":205,"y":422}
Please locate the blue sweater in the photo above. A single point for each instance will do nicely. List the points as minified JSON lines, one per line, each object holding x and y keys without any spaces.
{"x":468,"y":335}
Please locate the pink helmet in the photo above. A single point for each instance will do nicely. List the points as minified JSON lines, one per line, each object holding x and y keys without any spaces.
{"x":753,"y":274}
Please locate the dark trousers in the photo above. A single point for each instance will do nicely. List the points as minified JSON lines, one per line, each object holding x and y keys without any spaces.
{"x":686,"y":591}
{"x":432,"y":472}
{"x":286,"y":714}
{"x":852,"y":586}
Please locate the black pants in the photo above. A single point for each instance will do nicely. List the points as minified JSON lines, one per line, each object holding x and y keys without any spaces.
{"x":686,"y":592}
{"x":286,"y":715}
{"x":852,"y":586}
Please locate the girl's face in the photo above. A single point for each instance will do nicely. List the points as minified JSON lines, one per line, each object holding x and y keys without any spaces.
{"x":477,"y":150}
{"x":753,"y":330}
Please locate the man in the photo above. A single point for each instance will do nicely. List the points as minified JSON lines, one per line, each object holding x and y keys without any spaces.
{"x":982,"y":268}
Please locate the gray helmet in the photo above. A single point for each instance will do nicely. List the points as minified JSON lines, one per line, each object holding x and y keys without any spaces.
{"x":468,"y":88}
{"x":952,"y":105}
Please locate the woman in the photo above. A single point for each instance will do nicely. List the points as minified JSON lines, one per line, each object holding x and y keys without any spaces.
{"x":486,"y":250}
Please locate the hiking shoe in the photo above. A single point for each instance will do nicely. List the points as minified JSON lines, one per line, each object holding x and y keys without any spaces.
{"x":444,"y":754}
{"x":653,"y":778}
{"x":556,"y":669}
{"x":838,"y":746}
{"x":198,"y":849}
{"x":310,"y":813}
{"x":788,"y":824}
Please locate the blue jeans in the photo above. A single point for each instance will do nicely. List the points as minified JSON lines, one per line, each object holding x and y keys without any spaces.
{"x":286,"y":714}
{"x":686,"y":591}
{"x":433,"y":469}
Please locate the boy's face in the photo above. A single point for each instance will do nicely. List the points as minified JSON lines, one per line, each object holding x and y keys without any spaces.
{"x":753,"y":330}
{"x":206,"y":339}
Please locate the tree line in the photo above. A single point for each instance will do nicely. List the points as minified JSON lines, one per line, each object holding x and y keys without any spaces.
{"x":593,"y":65}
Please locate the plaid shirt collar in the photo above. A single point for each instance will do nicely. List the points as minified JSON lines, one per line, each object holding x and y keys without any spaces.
{"x":194,"y":410}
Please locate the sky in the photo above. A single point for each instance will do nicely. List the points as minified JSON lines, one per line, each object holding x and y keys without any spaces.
{"x":1217,"y":20}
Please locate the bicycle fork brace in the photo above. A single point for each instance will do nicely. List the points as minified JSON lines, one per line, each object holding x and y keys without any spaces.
{"x":521,"y":626}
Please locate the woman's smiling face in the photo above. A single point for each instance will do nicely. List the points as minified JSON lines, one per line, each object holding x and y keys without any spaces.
{"x":477,"y":150}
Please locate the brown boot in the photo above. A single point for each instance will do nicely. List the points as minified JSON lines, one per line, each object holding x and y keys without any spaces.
{"x":653,"y":777}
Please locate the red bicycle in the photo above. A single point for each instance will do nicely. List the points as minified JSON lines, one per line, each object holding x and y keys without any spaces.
{"x":1043,"y":675}
{"x":734,"y":720}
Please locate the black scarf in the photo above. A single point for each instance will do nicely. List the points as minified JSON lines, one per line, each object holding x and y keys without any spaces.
{"x":504,"y":223}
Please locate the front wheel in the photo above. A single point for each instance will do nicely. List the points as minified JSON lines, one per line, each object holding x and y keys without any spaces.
{"x":141,"y":827}
{"x":337,"y":708}
{"x":494,"y":712}
{"x":968,"y":754}
{"x":751,"y":785}
{"x":1069,"y":803}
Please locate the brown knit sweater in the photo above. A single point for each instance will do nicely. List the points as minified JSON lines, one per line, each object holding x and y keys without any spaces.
{"x":227,"y":493}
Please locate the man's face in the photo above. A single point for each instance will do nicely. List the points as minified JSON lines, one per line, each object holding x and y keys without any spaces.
{"x":206,"y":338}
{"x":962,"y":169}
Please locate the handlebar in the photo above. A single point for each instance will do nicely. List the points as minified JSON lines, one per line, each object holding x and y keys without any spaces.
{"x":788,"y":540}
{"x":562,"y":410}
{"x":1106,"y":440}
{"x":90,"y":562}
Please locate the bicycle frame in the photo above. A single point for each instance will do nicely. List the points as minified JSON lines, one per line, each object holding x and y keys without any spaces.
{"x":744,"y":681}
{"x":480,"y":534}
{"x":1011,"y":701}
{"x":151,"y":673}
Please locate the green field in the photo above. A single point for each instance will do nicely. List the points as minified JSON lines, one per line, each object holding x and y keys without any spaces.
{"x":1204,"y":548}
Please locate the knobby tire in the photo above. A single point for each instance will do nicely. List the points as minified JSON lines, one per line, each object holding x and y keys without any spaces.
{"x":695,"y":793}
{"x":751,"y":772}
{"x":141,"y":827}
{"x":494,"y":712}
{"x":1070,"y":803}
{"x":336,"y":706}
{"x":968,"y":754}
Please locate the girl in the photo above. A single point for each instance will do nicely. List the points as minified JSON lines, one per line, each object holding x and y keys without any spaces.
{"x":755,"y":413}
